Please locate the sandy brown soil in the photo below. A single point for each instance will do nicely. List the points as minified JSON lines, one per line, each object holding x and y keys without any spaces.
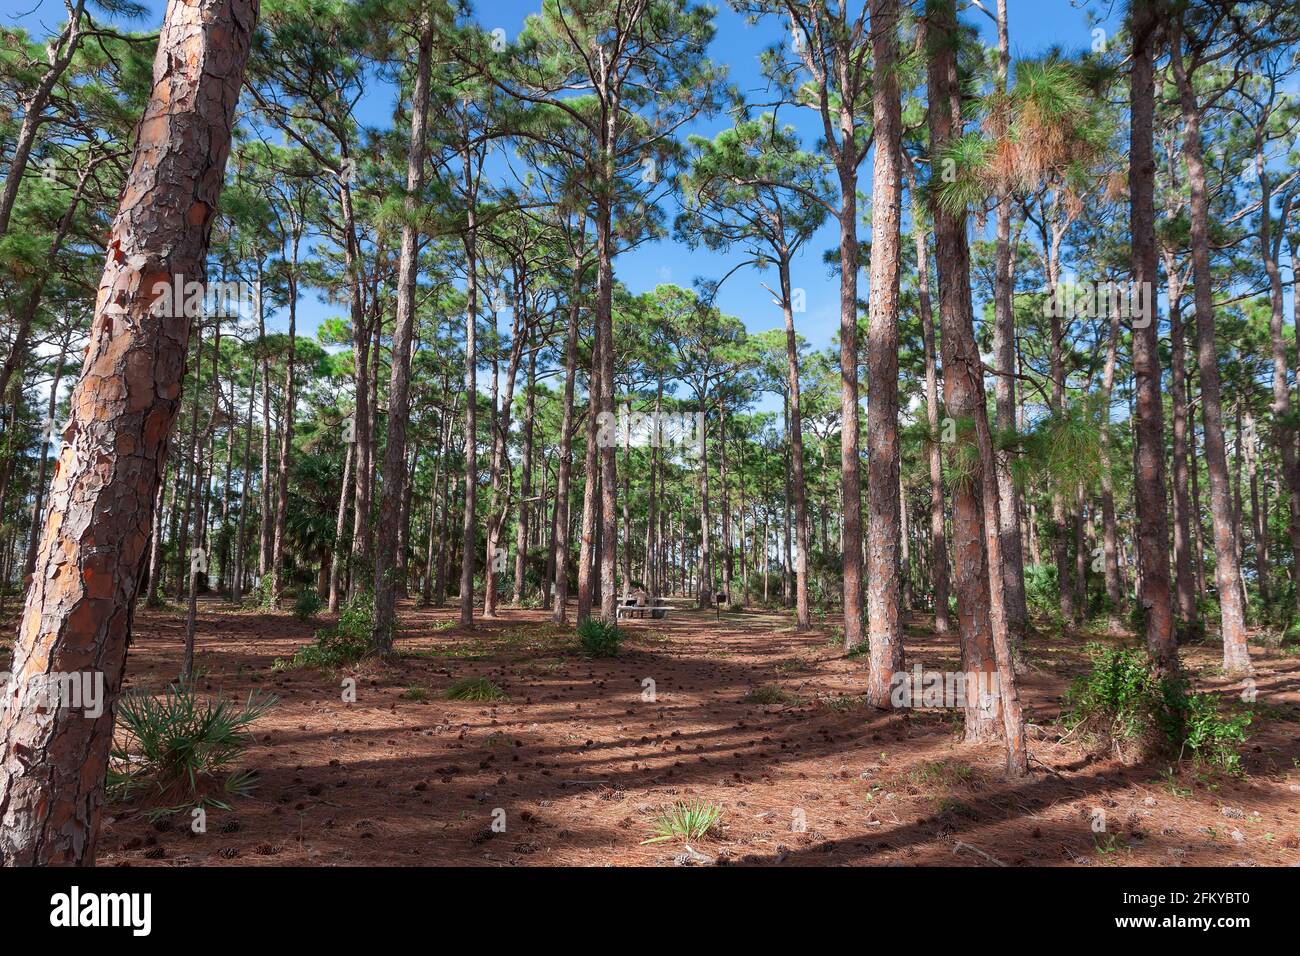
{"x":580,"y":763}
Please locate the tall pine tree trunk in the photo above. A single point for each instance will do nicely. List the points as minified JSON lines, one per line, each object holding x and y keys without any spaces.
{"x":1285,"y":430}
{"x":286,"y":429}
{"x":399,"y":382}
{"x":1110,"y":534}
{"x":938,"y":530}
{"x":962,"y":395}
{"x":884,"y":528}
{"x":559,"y":611}
{"x":1236,"y":658}
{"x":79,"y":608}
{"x":237,"y":577}
{"x":797,"y":482}
{"x":468,"y":548}
{"x":850,"y":464}
{"x":1149,"y":428}
{"x":1004,"y":390}
{"x":1184,"y":571}
{"x":526,"y":482}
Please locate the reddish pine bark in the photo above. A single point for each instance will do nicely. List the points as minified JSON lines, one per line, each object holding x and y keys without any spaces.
{"x":470,"y":497}
{"x":1110,"y":533}
{"x":977,"y":532}
{"x":962,"y":380}
{"x":850,"y":462}
{"x":95,"y":542}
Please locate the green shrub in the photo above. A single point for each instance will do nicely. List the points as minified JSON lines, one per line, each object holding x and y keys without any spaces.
{"x":1100,"y":607}
{"x":1117,"y":700}
{"x":345,"y":643}
{"x":1292,"y":633}
{"x":265,"y":594}
{"x":1207,"y":608}
{"x":1122,"y":703}
{"x":1042,"y":593}
{"x":1137,"y":618}
{"x":178,"y":746}
{"x":1279,"y":611}
{"x":1212,"y":736}
{"x":357,"y":619}
{"x":599,"y":638}
{"x":308,"y":603}
{"x":330,"y":650}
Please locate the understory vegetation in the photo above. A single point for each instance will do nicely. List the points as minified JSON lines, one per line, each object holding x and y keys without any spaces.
{"x":1121,"y":702}
{"x":178,"y":751}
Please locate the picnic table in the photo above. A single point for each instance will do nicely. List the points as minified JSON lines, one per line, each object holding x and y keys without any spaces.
{"x":643,"y":606}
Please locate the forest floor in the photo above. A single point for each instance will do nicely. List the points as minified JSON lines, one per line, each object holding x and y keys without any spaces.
{"x":581,"y":764}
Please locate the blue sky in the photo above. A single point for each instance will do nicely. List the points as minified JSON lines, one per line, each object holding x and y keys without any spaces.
{"x":1034,"y":26}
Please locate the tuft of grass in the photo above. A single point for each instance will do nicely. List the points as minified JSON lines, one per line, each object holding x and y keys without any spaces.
{"x":1110,"y":843}
{"x":542,"y":667}
{"x":958,"y":808}
{"x":685,"y":820}
{"x":842,"y":704}
{"x":1171,"y":784}
{"x":769,"y":694}
{"x":944,"y":772}
{"x":415,"y":693}
{"x":475,"y":689}
{"x":1211,"y":736}
{"x":472,"y":651}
